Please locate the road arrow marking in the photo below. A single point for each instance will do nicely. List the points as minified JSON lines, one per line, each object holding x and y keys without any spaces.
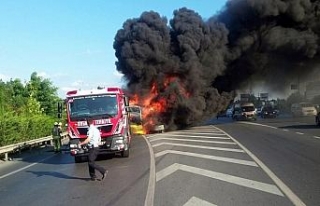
{"x":197,"y":136}
{"x":199,"y":146}
{"x":194,"y":201}
{"x":285,"y":189}
{"x":190,"y":140}
{"x":210,"y":157}
{"x":219,"y":176}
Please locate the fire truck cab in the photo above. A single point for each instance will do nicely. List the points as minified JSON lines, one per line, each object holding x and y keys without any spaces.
{"x":109,"y":109}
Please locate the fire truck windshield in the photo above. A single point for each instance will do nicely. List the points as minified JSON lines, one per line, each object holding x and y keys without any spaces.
{"x":98,"y":106}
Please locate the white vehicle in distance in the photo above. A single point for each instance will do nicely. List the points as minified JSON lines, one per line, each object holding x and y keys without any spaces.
{"x":244,"y":111}
{"x":303,"y":109}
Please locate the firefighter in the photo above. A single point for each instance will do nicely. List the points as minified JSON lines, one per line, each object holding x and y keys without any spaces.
{"x":56,"y":136}
{"x":60,"y":127}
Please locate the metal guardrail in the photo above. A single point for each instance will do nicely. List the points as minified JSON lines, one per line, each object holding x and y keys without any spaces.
{"x":19,"y":146}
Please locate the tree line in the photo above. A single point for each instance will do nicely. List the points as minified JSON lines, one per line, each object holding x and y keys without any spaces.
{"x":27,"y":109}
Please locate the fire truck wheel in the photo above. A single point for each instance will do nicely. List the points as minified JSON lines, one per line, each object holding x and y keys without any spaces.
{"x":125,"y":153}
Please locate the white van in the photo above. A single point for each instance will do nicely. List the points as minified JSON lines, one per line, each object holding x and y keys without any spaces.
{"x":244,"y":111}
{"x":303,"y":109}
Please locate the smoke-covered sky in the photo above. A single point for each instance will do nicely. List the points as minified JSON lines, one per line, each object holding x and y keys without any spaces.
{"x":275,"y":42}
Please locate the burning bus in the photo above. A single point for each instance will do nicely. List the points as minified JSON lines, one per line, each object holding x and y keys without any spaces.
{"x":140,"y":125}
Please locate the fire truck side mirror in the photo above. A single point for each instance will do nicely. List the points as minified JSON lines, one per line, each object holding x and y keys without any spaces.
{"x":59,"y":107}
{"x":126,"y":101}
{"x":59,"y":110}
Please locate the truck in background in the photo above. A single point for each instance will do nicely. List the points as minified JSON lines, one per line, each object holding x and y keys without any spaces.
{"x":109,"y":109}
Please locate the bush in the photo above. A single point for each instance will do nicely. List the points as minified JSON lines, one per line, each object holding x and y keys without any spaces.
{"x":15,"y":129}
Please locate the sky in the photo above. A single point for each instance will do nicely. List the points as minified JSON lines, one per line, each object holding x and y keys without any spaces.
{"x":70,"y":42}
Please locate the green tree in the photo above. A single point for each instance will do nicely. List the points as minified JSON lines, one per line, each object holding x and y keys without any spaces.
{"x":18,"y":95}
{"x":44,"y":92}
{"x":33,"y":107}
{"x":5,"y":98}
{"x":26,"y":110}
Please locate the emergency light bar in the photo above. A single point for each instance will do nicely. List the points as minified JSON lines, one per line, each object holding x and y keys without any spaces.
{"x":113,"y":89}
{"x":72,"y":92}
{"x":110,"y":90}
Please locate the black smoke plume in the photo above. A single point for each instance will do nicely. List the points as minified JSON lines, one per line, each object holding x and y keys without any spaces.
{"x":274,"y":41}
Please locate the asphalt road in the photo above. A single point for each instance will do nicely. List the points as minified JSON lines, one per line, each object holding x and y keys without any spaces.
{"x":43,"y":178}
{"x":290,"y":147}
{"x":266,"y":162}
{"x":205,"y":166}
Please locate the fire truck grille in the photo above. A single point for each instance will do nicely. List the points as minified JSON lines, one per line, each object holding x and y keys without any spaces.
{"x":83,"y":131}
{"x":103,"y":129}
{"x":106,"y":129}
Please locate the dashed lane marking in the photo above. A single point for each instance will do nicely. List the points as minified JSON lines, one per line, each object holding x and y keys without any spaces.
{"x":198,"y":146}
{"x":300,"y":133}
{"x":210,"y":157}
{"x":316,"y":137}
{"x":23,"y":168}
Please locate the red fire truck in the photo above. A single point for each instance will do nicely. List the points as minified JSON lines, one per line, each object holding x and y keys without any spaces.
{"x":109,"y":109}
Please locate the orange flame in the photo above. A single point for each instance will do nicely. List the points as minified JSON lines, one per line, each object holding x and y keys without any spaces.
{"x":153,"y":105}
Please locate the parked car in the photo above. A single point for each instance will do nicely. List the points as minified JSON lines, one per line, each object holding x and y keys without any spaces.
{"x":268,"y":112}
{"x":258,"y":111}
{"x":303,"y":109}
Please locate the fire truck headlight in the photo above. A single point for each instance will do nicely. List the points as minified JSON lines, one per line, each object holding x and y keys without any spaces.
{"x":73,"y":146}
{"x":119,"y":141}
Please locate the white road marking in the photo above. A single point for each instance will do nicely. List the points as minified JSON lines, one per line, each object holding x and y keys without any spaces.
{"x":316,"y":137}
{"x":210,"y":157}
{"x":286,"y":130}
{"x":257,"y":124}
{"x":285,"y":189}
{"x":198,"y":146}
{"x":191,"y":140}
{"x":203,"y":133}
{"x":219,"y":176}
{"x":23,"y":168}
{"x":152,"y":177}
{"x":197,"y":136}
{"x":299,"y":133}
{"x":194,"y":201}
